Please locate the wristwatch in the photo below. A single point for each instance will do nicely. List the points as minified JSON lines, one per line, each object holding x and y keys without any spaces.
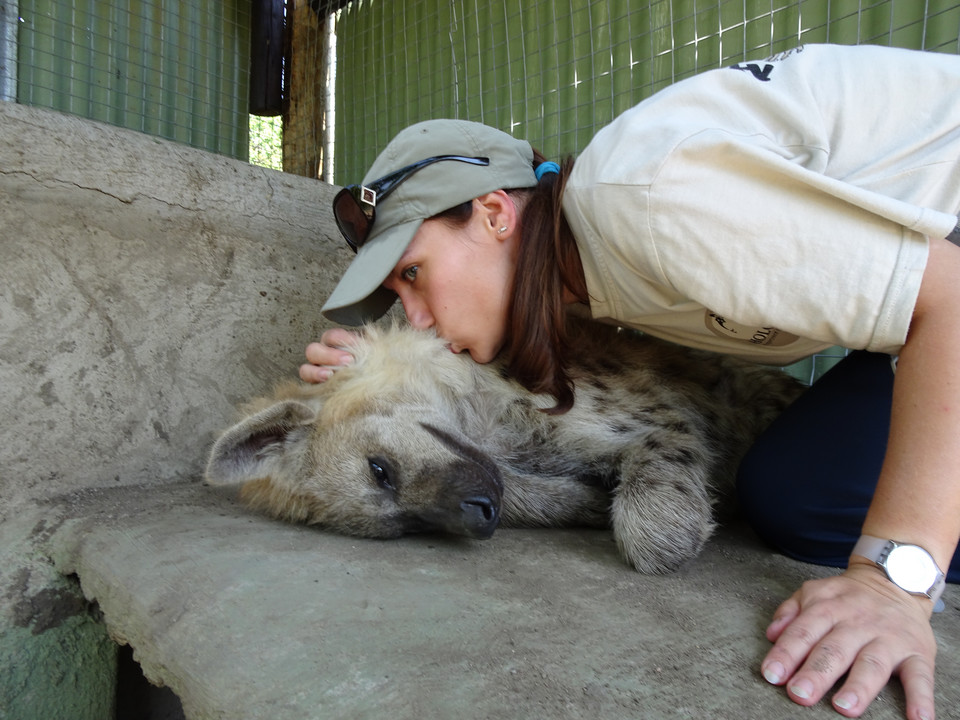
{"x":909,"y":567}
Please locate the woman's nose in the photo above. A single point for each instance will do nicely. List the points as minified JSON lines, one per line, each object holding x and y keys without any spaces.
{"x":418,"y":314}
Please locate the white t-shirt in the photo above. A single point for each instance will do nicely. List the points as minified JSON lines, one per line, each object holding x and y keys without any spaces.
{"x":775,"y":208}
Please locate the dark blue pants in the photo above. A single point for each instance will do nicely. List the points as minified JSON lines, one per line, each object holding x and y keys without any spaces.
{"x":807,"y":482}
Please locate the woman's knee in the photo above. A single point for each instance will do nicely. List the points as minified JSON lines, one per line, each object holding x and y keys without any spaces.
{"x":806,"y":484}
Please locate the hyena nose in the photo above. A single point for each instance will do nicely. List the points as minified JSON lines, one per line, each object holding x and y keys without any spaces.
{"x":480,"y":516}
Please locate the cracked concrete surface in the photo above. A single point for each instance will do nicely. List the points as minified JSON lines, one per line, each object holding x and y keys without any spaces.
{"x":245,"y":617}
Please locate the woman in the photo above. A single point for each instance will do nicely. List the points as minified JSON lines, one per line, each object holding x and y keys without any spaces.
{"x":768,"y":210}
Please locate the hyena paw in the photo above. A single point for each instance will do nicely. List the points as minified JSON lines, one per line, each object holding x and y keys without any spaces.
{"x":661,"y":549}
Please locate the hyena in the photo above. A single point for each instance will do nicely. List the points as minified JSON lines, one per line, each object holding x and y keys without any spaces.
{"x":412,"y":437}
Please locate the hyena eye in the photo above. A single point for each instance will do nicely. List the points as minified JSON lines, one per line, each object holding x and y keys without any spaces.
{"x":380,"y":474}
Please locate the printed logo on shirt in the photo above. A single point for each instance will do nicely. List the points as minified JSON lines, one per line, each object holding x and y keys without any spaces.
{"x":726,"y":328}
{"x":785,"y":54}
{"x":762,"y":72}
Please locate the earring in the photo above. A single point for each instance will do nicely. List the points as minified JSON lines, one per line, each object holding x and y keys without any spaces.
{"x":502,"y":230}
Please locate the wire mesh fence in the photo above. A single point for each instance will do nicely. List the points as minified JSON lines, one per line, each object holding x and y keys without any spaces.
{"x":173,"y":69}
{"x":555,"y":71}
{"x":351,"y":73}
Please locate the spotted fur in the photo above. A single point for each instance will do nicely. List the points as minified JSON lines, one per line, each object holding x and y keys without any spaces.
{"x":412,"y":438}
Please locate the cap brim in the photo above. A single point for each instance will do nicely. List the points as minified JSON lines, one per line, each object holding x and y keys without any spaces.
{"x":359,"y":296}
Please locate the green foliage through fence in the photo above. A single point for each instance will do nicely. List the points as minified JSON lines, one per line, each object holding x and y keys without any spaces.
{"x":266,"y":141}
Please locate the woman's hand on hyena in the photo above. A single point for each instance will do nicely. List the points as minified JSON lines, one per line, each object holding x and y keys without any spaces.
{"x":324,"y":357}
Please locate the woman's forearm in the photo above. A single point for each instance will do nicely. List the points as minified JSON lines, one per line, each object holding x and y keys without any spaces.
{"x":918,"y":494}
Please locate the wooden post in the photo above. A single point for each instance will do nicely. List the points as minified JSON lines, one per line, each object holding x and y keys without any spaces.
{"x":303,"y":119}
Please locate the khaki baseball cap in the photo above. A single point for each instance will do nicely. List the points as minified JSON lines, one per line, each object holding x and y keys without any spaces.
{"x":359,"y":296}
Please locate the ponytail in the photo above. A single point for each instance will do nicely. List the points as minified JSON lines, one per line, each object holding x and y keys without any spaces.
{"x":548,"y":263}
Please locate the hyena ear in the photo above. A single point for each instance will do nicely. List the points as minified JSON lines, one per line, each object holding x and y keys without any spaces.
{"x":271,"y":442}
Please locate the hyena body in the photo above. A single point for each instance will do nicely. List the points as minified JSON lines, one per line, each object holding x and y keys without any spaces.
{"x":413,"y":438}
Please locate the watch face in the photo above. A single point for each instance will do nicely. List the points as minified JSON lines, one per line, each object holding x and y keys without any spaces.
{"x":911,"y":568}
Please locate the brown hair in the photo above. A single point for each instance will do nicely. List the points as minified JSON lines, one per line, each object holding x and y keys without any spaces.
{"x":548,"y":262}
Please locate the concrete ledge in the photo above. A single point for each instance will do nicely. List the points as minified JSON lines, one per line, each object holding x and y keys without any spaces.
{"x":146,"y":288}
{"x":244,"y":617}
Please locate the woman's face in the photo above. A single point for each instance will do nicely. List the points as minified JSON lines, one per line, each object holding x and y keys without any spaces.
{"x":458,"y":280}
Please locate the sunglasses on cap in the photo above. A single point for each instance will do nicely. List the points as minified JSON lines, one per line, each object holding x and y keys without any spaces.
{"x":354,"y":207}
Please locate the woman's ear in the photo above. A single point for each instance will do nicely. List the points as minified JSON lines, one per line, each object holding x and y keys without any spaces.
{"x":498,"y":213}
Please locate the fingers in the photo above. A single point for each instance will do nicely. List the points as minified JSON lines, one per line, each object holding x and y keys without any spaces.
{"x":831,"y":628}
{"x":800,"y":657}
{"x":916,"y":675}
{"x":339,"y":338}
{"x":871,"y":671}
{"x":830,"y":656}
{"x":325,"y":356}
{"x":319,"y":353}
{"x":315,"y":373}
{"x":784,"y":615}
{"x":773,"y":668}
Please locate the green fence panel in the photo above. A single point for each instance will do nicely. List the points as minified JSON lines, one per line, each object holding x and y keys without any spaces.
{"x":555,"y":71}
{"x":173,"y":69}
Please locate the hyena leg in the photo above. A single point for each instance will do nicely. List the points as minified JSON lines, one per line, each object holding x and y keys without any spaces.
{"x":661,"y":511}
{"x":551,"y":501}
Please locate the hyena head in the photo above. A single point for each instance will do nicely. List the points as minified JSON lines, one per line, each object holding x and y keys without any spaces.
{"x":376,"y":451}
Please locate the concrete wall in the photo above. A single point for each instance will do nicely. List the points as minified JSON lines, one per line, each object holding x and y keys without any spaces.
{"x":146,"y":288}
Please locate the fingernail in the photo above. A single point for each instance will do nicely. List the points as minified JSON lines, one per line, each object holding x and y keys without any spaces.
{"x":802,"y":689}
{"x":773,"y":623}
{"x":773,"y":673}
{"x":846,"y":701}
